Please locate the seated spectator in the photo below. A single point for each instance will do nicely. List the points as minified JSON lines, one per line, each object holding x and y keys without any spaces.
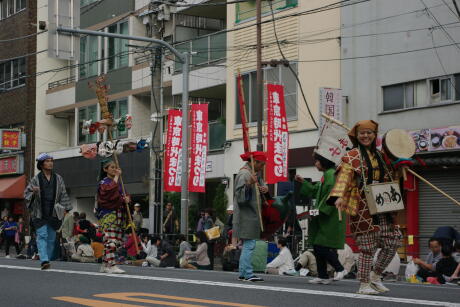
{"x":130,"y":246}
{"x":447,"y":235}
{"x":231,"y":258}
{"x":456,"y":253}
{"x":199,"y":258}
{"x":183,"y":247}
{"x":167,"y":254}
{"x":446,"y":267}
{"x":307,"y":261}
{"x":428,"y":267}
{"x":85,"y":227}
{"x":84,"y":251}
{"x":283,"y":263}
{"x":98,"y":247}
{"x":151,"y":251}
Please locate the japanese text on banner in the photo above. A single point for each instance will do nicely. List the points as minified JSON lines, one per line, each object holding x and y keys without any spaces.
{"x":333,"y":142}
{"x":199,"y":147}
{"x":173,"y":152}
{"x":277,"y":135}
{"x":330,"y":103}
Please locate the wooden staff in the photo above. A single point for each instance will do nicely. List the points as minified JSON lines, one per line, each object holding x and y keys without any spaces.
{"x":256,"y":184}
{"x":404,"y":169}
{"x":101,"y":93}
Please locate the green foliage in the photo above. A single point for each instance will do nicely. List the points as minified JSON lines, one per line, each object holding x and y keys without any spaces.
{"x":220,"y":203}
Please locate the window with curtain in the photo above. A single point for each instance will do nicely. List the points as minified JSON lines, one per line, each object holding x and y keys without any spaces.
{"x":119,"y":108}
{"x":12,"y":73}
{"x":84,"y":114}
{"x":278,"y":75}
{"x":247,"y":10}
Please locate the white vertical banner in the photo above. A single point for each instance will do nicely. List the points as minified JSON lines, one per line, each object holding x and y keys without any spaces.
{"x":333,"y":142}
{"x":330,"y":103}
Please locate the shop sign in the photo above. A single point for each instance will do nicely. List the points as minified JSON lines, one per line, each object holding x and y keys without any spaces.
{"x":11,"y":165}
{"x":10,"y":139}
{"x":437,"y":139}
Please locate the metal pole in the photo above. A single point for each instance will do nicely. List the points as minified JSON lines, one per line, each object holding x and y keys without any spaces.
{"x":184,"y":169}
{"x":259,"y":78}
{"x":152,"y":172}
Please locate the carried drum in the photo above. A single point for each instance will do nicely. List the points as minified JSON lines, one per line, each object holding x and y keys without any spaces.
{"x":387,"y":197}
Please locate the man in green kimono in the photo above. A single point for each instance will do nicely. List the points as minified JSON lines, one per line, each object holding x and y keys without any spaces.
{"x":325,"y":231}
{"x":246,"y":221}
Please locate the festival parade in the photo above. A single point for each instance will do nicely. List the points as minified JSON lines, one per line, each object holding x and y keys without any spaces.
{"x":248,"y":153}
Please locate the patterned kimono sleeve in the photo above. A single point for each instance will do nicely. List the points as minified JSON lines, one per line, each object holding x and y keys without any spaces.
{"x":343,"y":182}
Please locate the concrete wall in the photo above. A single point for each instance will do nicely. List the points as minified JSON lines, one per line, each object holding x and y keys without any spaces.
{"x":362,"y":79}
{"x":51,"y":133}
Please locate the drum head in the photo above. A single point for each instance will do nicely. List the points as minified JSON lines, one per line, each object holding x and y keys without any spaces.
{"x":399,"y":143}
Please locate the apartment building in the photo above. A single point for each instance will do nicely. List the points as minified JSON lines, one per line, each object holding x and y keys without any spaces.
{"x":400,"y":68}
{"x":18,"y":23}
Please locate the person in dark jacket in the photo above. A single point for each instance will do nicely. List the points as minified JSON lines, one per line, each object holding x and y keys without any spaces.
{"x":10,"y":228}
{"x":166,"y":252}
{"x":446,"y":266}
{"x":47,"y":200}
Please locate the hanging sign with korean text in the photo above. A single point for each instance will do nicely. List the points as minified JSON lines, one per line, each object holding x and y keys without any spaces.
{"x":199,"y":147}
{"x":277,"y":135}
{"x":173,"y":152}
{"x":333,"y":142}
{"x":10,"y":139}
{"x":330,"y":103}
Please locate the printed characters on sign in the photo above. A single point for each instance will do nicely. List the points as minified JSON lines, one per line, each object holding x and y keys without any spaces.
{"x":199,"y":147}
{"x":173,"y":152}
{"x":333,"y":142}
{"x":10,"y":139}
{"x":278,"y":135}
{"x":330,"y":103}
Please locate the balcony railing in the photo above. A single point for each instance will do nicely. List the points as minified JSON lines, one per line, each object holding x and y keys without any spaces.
{"x":61,"y":82}
{"x":205,"y":49}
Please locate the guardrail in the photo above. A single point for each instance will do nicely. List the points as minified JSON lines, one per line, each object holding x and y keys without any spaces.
{"x":61,"y":82}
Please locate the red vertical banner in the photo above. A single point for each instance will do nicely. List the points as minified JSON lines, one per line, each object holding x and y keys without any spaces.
{"x":199,"y":148}
{"x":242,"y":105}
{"x":277,"y":135}
{"x":173,"y":152}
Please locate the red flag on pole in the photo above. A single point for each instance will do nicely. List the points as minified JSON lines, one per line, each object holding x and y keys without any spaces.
{"x":199,"y":147}
{"x":173,"y":152}
{"x":244,"y":124}
{"x":277,"y":135}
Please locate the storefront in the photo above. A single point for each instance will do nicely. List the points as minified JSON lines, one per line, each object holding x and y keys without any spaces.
{"x":12,"y":185}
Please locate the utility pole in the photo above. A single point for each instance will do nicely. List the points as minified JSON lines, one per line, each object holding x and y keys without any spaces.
{"x":259,"y":77}
{"x":156,"y":145}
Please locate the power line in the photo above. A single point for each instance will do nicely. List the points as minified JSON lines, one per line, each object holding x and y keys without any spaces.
{"x":203,"y":4}
{"x":290,"y":67}
{"x":22,"y":37}
{"x":430,"y":13}
{"x":92,"y":7}
{"x":24,"y":55}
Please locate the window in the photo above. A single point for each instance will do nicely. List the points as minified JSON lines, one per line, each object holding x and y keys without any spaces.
{"x":118,"y":108}
{"x":11,"y":7}
{"x":12,"y":73}
{"x":86,"y":2}
{"x":441,"y":89}
{"x":118,"y":48}
{"x":117,"y":52}
{"x":84,"y":114}
{"x":89,"y":56}
{"x":279,"y":74}
{"x":421,"y":93}
{"x":247,"y":10}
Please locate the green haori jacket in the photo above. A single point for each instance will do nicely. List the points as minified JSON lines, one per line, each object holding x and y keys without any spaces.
{"x":325,"y":229}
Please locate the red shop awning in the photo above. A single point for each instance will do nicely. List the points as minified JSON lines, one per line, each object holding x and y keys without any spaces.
{"x":12,"y":187}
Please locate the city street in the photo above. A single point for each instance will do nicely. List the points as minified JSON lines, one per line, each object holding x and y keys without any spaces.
{"x":76,"y":284}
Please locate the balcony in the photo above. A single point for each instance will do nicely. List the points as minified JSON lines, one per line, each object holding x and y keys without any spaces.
{"x":208,"y":49}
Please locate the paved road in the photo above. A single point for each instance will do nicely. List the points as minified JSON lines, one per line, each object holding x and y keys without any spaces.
{"x":76,"y":284}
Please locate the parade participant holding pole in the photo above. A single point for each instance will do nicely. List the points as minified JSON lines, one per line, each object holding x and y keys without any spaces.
{"x":361,"y":166}
{"x":326,"y":232}
{"x":47,"y":200}
{"x":112,"y":217}
{"x":246,"y":216}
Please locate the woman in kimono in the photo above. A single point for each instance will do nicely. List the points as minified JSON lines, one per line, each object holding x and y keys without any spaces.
{"x":366,"y":163}
{"x":111,"y":214}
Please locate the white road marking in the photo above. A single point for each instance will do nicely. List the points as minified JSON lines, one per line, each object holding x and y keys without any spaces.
{"x":248,"y":286}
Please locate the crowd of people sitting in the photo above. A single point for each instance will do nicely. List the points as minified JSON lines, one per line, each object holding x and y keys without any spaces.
{"x":82,"y":241}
